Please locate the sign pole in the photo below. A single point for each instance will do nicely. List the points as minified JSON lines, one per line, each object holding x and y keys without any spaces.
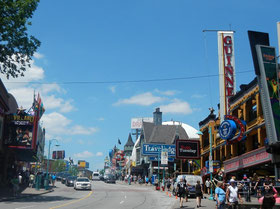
{"x":211,"y":164}
{"x":158,"y":167}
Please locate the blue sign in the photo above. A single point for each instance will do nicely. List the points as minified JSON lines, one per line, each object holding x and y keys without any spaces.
{"x":155,"y":149}
{"x":154,"y":158}
{"x":227,"y":129}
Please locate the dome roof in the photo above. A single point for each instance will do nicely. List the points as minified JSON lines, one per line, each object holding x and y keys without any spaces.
{"x":191,"y":131}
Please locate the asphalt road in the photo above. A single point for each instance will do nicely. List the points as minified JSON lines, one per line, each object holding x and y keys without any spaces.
{"x":102,"y":196}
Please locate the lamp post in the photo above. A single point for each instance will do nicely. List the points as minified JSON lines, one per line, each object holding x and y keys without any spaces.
{"x":211,"y":163}
{"x":48,"y":163}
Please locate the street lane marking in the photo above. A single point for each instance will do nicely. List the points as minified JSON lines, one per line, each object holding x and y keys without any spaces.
{"x":31,"y":206}
{"x":121,"y":202}
{"x":69,"y":203}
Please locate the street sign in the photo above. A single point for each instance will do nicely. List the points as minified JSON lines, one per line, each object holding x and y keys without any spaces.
{"x":211,"y":166}
{"x":155,"y":149}
{"x":155,"y":158}
{"x":164,"y":158}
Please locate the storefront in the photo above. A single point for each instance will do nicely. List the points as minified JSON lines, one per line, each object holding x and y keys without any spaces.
{"x":257,"y":161}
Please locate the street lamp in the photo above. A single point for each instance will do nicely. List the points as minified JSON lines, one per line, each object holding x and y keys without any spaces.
{"x":48,"y":163}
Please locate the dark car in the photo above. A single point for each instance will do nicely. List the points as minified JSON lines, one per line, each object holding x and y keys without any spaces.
{"x":110,"y":179}
{"x":59,"y":176}
{"x":70,"y":181}
{"x":63,"y":178}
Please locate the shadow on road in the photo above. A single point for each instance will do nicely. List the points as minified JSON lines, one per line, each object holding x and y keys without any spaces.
{"x":28,"y":198}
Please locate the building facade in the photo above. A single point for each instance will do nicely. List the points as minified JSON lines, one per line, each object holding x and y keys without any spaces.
{"x":245,"y":152}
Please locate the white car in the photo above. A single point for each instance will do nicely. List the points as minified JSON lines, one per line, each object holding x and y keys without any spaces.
{"x":82,"y":183}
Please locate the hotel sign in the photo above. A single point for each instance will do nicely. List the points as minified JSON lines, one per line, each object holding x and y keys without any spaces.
{"x":155,"y":149}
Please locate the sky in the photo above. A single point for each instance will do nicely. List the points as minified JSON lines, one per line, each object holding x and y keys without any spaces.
{"x":90,"y":47}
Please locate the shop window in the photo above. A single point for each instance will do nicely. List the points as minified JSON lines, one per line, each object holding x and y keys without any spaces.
{"x":253,"y":113}
{"x":205,"y":142}
{"x":255,"y":142}
{"x":241,"y":148}
{"x":218,"y":154}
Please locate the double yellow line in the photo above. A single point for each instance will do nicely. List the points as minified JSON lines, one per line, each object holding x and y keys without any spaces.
{"x":69,"y":203}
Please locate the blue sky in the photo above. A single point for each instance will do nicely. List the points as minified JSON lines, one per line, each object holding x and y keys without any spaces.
{"x":116,"y":40}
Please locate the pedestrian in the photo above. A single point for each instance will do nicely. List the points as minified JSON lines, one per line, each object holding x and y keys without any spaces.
{"x":147,"y":180}
{"x":246,"y":185}
{"x":198,"y":194}
{"x":220,"y":196}
{"x":53,"y":179}
{"x":15,"y":183}
{"x":31,"y":180}
{"x":233,"y":195}
{"x":187,"y":190}
{"x":268,"y":202}
{"x":207,"y":184}
{"x":168,"y":184}
{"x":181,"y":191}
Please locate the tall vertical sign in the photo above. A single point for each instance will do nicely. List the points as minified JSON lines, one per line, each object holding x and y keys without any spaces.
{"x":269,"y":90}
{"x":226,"y":70}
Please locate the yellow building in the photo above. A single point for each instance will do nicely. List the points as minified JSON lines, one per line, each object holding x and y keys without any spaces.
{"x":234,"y":157}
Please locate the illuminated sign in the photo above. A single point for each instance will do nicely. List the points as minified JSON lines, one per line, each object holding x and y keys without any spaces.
{"x":226,"y":70}
{"x":19,"y":131}
{"x":229,"y":127}
{"x":187,"y":149}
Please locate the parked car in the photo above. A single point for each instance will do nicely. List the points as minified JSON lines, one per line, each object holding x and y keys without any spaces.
{"x":191,"y":182}
{"x":82,"y":183}
{"x":64,"y":176}
{"x":109,"y":178}
{"x":70,"y":181}
{"x":95,"y":176}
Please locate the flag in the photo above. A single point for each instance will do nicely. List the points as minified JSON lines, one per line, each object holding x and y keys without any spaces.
{"x":119,"y":141}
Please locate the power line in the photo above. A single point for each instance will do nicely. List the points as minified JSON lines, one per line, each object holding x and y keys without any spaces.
{"x":124,"y":81}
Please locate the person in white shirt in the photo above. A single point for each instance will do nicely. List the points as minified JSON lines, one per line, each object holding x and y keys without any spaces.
{"x":233,"y":195}
{"x":207,"y":184}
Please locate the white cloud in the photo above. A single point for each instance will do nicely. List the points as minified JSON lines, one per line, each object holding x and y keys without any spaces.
{"x":52,"y":87}
{"x":57,"y":124}
{"x":198,"y":96}
{"x":177,"y":107}
{"x":84,"y":154}
{"x":167,"y":93}
{"x":37,"y":55}
{"x":24,"y":96}
{"x":77,"y":130}
{"x":53,"y":102}
{"x":101,"y":119}
{"x":113,"y":89}
{"x":145,"y":99}
{"x":99,"y":154}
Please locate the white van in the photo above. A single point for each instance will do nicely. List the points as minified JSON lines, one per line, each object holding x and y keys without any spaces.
{"x":95,"y":176}
{"x":191,"y":181}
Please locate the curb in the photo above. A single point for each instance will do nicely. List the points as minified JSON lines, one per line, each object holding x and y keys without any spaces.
{"x":25,"y":196}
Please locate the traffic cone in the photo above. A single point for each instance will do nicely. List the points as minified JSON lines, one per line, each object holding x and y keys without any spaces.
{"x":169,"y":195}
{"x":176,"y":197}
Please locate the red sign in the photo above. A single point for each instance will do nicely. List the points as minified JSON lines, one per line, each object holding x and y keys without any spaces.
{"x":252,"y":158}
{"x":228,"y":66}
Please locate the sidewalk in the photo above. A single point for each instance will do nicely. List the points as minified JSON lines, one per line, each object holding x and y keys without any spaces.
{"x":7,"y":195}
{"x":206,"y":203}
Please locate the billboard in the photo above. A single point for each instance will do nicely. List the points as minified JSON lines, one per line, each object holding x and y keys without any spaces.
{"x":155,"y":149}
{"x":136,"y":123}
{"x":227,"y":82}
{"x":19,"y":129}
{"x":187,"y":149}
{"x":164,"y":158}
{"x":58,"y":154}
{"x":269,"y":91}
{"x":83,"y":164}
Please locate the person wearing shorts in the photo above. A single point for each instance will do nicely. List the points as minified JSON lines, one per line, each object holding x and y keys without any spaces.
{"x":198,"y":193}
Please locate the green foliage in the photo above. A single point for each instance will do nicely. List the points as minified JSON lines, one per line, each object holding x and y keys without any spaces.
{"x":73,"y":170}
{"x":16,"y":46}
{"x":58,"y":166}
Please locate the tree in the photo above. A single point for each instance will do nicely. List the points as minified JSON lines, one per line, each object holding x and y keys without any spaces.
{"x":58,"y":166}
{"x":16,"y":46}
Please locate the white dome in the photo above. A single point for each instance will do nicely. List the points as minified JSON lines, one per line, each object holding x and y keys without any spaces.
{"x":191,"y":131}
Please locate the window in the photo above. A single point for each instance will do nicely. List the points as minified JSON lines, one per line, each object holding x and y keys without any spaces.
{"x":205,"y":142}
{"x":255,"y":142}
{"x":253,"y":113}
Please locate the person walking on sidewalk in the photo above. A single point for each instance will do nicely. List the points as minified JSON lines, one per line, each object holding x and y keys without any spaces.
{"x":181,"y":191}
{"x":220,"y":196}
{"x":233,"y":195}
{"x":31,"y":180}
{"x":15,"y":183}
{"x":53,"y":179}
{"x":198,"y":193}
